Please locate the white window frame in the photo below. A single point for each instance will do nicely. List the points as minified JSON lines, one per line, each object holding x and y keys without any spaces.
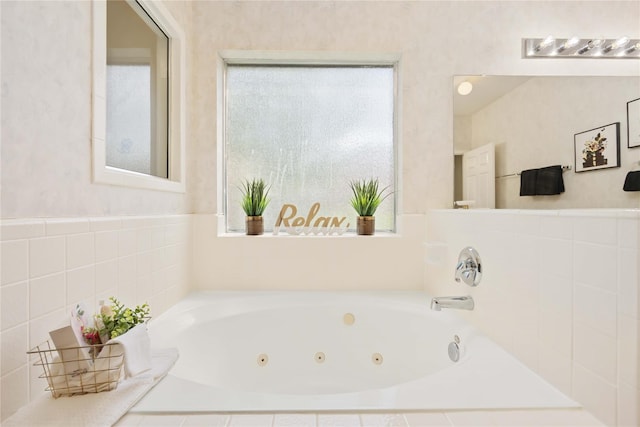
{"x":104,"y":174}
{"x":245,"y":57}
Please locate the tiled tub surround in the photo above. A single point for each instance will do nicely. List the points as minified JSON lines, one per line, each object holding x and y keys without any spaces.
{"x":559,"y":291}
{"x":48,"y":265}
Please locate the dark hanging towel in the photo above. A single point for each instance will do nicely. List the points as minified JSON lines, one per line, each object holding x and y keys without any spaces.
{"x":632,"y":181}
{"x":549,"y":181}
{"x":528,"y":182}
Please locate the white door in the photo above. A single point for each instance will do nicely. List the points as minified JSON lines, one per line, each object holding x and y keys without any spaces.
{"x":479,"y":176}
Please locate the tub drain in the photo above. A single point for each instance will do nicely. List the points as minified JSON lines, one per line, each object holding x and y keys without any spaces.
{"x":263,"y":359}
{"x":319,"y":357}
{"x":376,"y":358}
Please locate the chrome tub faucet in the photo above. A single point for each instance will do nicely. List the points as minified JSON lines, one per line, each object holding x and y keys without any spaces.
{"x":461,"y":303}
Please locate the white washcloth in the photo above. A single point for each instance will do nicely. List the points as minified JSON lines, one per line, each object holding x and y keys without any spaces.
{"x":94,"y":409}
{"x":137,"y":350}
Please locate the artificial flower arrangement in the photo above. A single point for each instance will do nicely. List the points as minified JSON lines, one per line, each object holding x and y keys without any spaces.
{"x":112,"y":321}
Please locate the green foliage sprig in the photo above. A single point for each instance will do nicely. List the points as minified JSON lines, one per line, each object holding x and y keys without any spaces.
{"x":118,"y":319}
{"x":366,"y":196}
{"x":254,"y":197}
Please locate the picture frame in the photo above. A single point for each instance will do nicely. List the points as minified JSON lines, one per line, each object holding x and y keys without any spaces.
{"x":633,"y":123}
{"x":597,"y":148}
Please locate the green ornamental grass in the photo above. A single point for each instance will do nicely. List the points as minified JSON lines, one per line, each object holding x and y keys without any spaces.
{"x":366,"y":196}
{"x":254,"y":197}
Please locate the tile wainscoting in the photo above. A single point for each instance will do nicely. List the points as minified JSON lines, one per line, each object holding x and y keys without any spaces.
{"x":49,"y":265}
{"x":559,"y":291}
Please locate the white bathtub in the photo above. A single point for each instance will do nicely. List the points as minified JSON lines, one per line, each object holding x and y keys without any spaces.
{"x":316,"y":351}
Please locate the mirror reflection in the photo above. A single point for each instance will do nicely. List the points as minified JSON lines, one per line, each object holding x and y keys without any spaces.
{"x":507,"y":124}
{"x":137,"y":90}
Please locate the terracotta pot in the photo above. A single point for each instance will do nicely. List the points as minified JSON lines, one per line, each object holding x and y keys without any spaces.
{"x":255,"y":225}
{"x":366,"y":225}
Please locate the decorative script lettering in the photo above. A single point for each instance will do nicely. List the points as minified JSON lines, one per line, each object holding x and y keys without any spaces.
{"x":292,"y":224}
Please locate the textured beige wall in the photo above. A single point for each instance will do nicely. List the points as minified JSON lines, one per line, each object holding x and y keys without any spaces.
{"x":46,"y":85}
{"x":436,"y":40}
{"x":46,"y":117}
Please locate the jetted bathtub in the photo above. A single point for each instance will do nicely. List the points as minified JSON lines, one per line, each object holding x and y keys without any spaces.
{"x":317,"y":351}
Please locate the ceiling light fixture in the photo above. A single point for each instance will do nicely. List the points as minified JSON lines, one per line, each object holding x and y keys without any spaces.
{"x":465,"y":88}
{"x":575,"y":47}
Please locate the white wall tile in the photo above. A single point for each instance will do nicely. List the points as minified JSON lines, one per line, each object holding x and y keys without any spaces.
{"x":556,"y":368}
{"x":556,"y":256}
{"x":63,"y":226}
{"x":106,"y":245}
{"x":14,"y":304}
{"x":80,"y":250}
{"x":105,"y":224}
{"x":382,"y":420}
{"x":46,"y":294}
{"x":39,"y":328}
{"x":153,"y":420}
{"x":426,"y":419}
{"x":596,"y":265}
{"x":470,"y":418}
{"x":595,"y":309}
{"x":628,"y":351}
{"x":15,"y":343}
{"x":14,"y":391}
{"x":127,"y":242}
{"x":208,"y":420}
{"x":628,"y":233}
{"x":127,"y":269}
{"x":598,"y":230}
{"x":338,"y":420}
{"x":628,"y":280}
{"x":21,"y":229}
{"x":628,"y":412}
{"x":46,"y":256}
{"x":80,"y":284}
{"x":595,"y":351}
{"x":250,"y":420}
{"x":15,"y":261}
{"x":556,"y":227}
{"x":106,"y":275}
{"x":597,"y":396}
{"x":294,"y":420}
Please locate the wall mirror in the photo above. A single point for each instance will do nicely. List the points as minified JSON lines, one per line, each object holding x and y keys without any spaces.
{"x":528,"y":122}
{"x":138,"y":112}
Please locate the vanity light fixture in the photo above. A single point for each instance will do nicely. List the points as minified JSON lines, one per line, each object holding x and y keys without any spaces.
{"x":575,"y":47}
{"x":465,"y":88}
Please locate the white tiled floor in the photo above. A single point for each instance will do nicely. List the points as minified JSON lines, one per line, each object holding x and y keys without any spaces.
{"x":505,"y":418}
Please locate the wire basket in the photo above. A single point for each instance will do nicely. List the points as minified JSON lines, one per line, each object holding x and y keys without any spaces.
{"x":80,"y":370}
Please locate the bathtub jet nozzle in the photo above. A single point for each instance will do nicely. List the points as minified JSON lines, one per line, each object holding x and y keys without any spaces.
{"x":461,"y":303}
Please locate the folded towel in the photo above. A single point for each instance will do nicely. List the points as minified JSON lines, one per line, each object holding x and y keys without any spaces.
{"x":94,"y":409}
{"x":137,"y":349}
{"x":549,"y":181}
{"x":632,"y":181}
{"x":528,"y":182}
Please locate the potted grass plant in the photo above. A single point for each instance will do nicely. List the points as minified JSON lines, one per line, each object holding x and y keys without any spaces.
{"x":367,"y":196}
{"x":254,"y":202}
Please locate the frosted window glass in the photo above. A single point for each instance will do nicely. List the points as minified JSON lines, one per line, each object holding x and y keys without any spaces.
{"x":308,"y":131}
{"x":128,"y":117}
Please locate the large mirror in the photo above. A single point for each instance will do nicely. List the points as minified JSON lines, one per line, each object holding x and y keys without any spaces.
{"x":138,"y":96}
{"x":137,"y":90}
{"x":504,"y":125}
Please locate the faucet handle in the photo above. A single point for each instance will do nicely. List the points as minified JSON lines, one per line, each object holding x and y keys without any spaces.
{"x":469,"y":268}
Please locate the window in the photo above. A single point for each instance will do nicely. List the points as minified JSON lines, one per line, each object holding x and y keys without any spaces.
{"x":138,"y":94}
{"x":308,"y":130}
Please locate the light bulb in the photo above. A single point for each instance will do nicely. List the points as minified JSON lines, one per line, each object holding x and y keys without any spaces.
{"x":545,"y":43}
{"x":465,"y":88}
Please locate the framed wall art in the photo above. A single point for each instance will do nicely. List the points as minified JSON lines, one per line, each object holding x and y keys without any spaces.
{"x":597,"y":148}
{"x":633,"y":123}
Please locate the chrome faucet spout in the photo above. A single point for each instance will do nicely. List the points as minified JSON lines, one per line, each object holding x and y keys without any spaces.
{"x":458,"y":302}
